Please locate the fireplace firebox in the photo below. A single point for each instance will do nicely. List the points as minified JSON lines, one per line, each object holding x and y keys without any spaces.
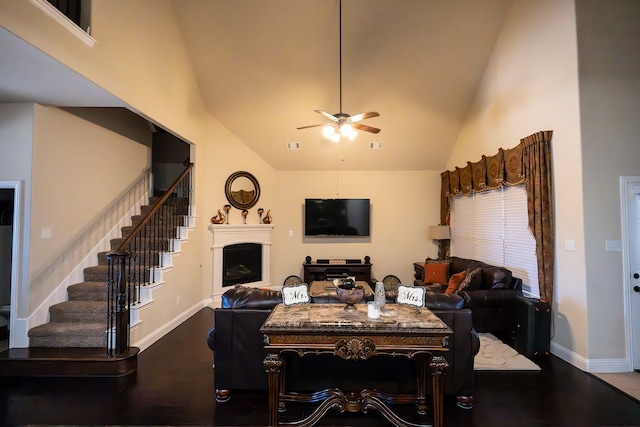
{"x":236,"y":234}
{"x":241,"y":263}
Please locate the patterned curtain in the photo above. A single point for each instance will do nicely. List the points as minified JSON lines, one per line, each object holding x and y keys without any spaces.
{"x":443,"y":248}
{"x":536,"y":156}
{"x":528,"y":162}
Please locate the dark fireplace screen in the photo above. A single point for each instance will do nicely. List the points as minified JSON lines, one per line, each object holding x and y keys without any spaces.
{"x":241,"y":263}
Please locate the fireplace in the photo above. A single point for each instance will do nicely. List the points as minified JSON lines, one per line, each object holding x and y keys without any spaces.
{"x":241,"y":255}
{"x":241,"y":263}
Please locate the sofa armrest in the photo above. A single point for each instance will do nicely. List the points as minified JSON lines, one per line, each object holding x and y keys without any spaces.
{"x":211,"y":338}
{"x":482,"y":298}
{"x":439,"y":301}
{"x":475,"y":339}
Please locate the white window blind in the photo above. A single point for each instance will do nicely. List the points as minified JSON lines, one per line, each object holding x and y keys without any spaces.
{"x":492,"y":227}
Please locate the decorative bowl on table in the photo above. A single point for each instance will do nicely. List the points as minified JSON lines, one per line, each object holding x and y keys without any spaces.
{"x":350,"y":295}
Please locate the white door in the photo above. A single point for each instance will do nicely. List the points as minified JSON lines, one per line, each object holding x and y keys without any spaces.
{"x":630,"y":192}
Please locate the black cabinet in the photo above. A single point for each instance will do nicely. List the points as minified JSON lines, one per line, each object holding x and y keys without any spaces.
{"x":531,"y":332}
{"x":328,"y":271}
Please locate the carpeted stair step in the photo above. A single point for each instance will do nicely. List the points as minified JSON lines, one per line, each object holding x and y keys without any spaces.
{"x":147,"y":257}
{"x":69,"y":334}
{"x":79,"y":311}
{"x":143,"y":244}
{"x":100,"y":273}
{"x":136,"y":219}
{"x":164,"y":210}
{"x":152,"y":230}
{"x":88,"y":291}
{"x":97,"y":273}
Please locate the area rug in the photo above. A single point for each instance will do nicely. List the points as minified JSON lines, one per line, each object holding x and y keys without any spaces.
{"x":494,"y":355}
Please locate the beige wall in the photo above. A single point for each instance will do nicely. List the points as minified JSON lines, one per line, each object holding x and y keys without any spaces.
{"x":403,"y":206}
{"x":609,"y":64}
{"x":130,"y":60}
{"x":79,"y":169}
{"x":531,"y":84}
{"x":214,"y":164}
{"x":16,"y":135}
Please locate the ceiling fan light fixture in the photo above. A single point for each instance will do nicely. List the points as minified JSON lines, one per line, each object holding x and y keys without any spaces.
{"x":328,"y":131}
{"x":342,"y":124}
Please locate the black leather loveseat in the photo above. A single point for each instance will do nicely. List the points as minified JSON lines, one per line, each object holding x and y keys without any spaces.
{"x":491,"y":297}
{"x":239,"y":354}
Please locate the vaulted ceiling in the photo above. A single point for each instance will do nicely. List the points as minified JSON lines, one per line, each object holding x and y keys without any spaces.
{"x":264,"y":66}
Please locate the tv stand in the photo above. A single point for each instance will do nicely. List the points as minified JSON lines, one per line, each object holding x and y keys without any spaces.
{"x":331,"y":269}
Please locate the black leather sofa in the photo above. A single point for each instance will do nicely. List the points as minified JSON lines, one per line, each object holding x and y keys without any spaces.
{"x":238,"y":350}
{"x":491,"y":300}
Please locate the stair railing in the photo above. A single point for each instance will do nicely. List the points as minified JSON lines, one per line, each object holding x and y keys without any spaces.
{"x":133,"y":264}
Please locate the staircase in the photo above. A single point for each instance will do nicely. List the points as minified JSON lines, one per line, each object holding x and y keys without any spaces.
{"x":81,"y":321}
{"x":74,"y":341}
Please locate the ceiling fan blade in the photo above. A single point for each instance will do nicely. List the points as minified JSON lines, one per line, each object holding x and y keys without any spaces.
{"x":327,"y":115}
{"x":363,"y":116}
{"x":365,"y":128}
{"x":310,"y":126}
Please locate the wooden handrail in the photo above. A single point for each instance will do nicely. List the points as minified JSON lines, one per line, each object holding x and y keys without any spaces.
{"x":154,"y":209}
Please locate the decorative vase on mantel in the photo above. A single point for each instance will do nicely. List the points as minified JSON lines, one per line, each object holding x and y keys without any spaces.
{"x":219,"y":218}
{"x":267,"y":218}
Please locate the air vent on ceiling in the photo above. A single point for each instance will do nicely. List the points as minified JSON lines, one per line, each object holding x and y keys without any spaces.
{"x":293,"y":145}
{"x":377,"y":145}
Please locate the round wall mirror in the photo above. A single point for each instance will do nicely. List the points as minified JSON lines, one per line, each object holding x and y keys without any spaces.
{"x":242,"y":190}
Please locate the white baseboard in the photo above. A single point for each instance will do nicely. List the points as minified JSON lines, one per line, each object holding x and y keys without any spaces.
{"x":151,"y":338}
{"x":600,"y":366}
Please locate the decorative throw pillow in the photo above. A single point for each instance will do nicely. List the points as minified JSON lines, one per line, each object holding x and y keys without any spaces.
{"x":436,"y":273}
{"x":472,"y":280}
{"x":454,"y":282}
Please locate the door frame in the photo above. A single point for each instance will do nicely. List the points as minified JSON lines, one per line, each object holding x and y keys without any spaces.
{"x":16,"y":186}
{"x":626,"y":183}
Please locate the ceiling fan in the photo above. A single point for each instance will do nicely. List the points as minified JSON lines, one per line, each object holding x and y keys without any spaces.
{"x":343,"y":124}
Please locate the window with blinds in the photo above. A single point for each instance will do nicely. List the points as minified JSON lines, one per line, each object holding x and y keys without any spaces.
{"x":492,"y":227}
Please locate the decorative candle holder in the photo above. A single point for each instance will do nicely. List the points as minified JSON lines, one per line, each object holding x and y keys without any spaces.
{"x":227,"y":208}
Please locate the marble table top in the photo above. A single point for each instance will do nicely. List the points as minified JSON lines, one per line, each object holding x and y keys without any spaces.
{"x":326,"y":318}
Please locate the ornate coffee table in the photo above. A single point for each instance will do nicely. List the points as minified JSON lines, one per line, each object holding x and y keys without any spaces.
{"x":417,"y":334}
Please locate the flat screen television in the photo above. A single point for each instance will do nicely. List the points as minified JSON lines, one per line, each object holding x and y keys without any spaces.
{"x":337,"y":217}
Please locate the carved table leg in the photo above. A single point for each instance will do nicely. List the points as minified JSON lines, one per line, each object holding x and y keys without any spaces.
{"x":282,"y":406}
{"x":273,"y":365}
{"x":438,"y":365}
{"x":421,"y":386}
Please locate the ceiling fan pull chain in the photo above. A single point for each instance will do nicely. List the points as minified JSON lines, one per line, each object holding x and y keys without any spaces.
{"x":340,"y":56}
{"x":342,"y":124}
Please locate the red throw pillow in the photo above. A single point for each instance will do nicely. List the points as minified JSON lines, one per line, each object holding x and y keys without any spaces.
{"x":454,"y":282}
{"x":436,"y":273}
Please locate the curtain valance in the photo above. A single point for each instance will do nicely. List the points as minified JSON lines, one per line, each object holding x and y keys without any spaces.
{"x":530,"y":163}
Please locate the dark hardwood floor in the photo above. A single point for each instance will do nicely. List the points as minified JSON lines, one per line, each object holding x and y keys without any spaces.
{"x":174,"y":386}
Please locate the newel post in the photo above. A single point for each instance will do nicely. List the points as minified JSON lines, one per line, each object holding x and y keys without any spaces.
{"x":118,"y":304}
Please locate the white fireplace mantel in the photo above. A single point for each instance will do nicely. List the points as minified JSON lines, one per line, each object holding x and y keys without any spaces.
{"x":231,"y":234}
